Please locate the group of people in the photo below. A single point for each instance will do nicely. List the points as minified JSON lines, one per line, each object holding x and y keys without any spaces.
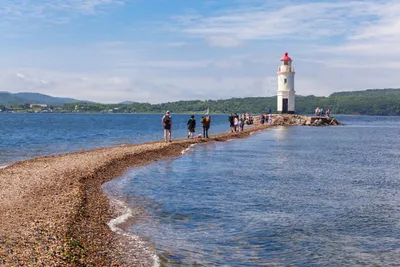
{"x":237,"y":122}
{"x":191,"y":126}
{"x":321,"y":112}
{"x":205,"y":123}
{"x":266,"y":118}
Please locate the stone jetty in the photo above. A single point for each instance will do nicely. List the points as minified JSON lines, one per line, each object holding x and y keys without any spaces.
{"x":299,"y":120}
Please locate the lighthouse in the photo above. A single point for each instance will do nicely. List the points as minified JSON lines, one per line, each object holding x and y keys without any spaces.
{"x":286,"y":86}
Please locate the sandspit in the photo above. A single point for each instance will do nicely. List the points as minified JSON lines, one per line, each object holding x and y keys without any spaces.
{"x":54,"y":212}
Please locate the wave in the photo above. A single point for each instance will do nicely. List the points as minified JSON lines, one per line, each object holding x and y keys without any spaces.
{"x":187,"y":149}
{"x":127,"y":213}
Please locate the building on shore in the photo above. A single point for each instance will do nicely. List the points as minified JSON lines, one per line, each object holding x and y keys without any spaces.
{"x":286,"y":93}
{"x":38,"y":105}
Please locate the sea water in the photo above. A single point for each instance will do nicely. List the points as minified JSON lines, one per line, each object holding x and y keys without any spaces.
{"x":288,"y":196}
{"x":24,"y":136}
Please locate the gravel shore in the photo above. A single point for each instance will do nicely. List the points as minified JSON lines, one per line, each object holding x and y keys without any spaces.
{"x":54,"y":212}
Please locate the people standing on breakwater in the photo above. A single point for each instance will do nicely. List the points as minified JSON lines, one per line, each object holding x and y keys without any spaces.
{"x":205,"y":122}
{"x":242,"y":122}
{"x":167,"y":125}
{"x":235,"y":123}
{"x":191,"y":125}
{"x":270,"y":118}
{"x":317,"y":111}
{"x":328,"y":112}
{"x":231,"y":122}
{"x":262,"y":119}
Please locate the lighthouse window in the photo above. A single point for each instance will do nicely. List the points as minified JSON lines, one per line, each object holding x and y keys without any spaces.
{"x":285,"y":81}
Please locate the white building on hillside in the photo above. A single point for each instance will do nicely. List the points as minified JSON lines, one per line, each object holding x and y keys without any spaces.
{"x":38,"y":105}
{"x":286,"y":86}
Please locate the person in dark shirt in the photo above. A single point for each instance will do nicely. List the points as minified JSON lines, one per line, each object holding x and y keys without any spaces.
{"x":231,"y":121}
{"x":262,"y":119}
{"x":167,"y":125}
{"x":191,"y":125}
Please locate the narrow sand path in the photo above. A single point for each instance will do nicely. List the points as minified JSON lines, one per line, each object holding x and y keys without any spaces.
{"x":53,"y":211}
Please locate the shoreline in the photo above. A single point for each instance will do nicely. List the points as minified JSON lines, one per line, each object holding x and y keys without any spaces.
{"x":55,"y":212}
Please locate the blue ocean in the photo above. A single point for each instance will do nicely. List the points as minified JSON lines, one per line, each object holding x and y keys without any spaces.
{"x":286,"y":196}
{"x":24,"y":136}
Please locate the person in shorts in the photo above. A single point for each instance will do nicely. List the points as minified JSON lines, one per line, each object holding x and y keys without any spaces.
{"x":191,"y":125}
{"x":167,"y":125}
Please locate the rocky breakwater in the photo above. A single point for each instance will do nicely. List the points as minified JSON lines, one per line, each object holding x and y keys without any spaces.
{"x":300,"y":120}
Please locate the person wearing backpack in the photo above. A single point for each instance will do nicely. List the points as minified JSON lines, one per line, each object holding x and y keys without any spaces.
{"x":205,"y":122}
{"x":191,"y":125}
{"x":167,"y":125}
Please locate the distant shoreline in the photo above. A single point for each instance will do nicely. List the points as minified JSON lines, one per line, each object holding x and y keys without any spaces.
{"x":185,"y":113}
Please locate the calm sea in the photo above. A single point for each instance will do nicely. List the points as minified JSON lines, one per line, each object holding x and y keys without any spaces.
{"x":24,"y":136}
{"x":288,"y":196}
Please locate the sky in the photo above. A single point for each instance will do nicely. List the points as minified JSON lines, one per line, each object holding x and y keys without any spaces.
{"x":167,"y":50}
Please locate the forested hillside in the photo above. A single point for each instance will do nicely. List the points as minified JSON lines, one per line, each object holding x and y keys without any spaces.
{"x":368,"y":102}
{"x":7,"y":98}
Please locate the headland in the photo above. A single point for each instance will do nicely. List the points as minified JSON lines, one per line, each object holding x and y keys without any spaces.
{"x":54,"y":212}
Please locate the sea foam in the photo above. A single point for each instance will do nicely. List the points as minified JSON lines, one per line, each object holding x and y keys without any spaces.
{"x":126,"y":213}
{"x":187,"y":149}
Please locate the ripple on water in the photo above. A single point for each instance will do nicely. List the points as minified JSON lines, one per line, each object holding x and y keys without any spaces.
{"x":304,"y":196}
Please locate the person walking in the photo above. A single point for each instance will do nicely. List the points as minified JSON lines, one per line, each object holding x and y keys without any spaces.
{"x":191,"y":125}
{"x":235,"y":124}
{"x":242,"y":122}
{"x":167,"y":125}
{"x":205,"y":122}
{"x":231,"y":122}
{"x":262,"y":119}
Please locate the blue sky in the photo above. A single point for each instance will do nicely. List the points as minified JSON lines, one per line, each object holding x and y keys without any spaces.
{"x":166,"y":50}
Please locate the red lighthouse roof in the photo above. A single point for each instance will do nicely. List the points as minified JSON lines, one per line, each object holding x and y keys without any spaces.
{"x":286,"y":57}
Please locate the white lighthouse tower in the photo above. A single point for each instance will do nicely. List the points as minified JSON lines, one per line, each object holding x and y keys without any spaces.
{"x":286,"y":86}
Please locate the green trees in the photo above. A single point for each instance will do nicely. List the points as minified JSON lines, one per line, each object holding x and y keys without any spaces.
{"x":368,"y":102}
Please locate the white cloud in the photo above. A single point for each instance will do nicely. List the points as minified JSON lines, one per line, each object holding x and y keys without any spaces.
{"x":336,"y":45}
{"x":223,"y":41}
{"x":21,"y":15}
{"x":294,"y":21}
{"x":114,"y":88}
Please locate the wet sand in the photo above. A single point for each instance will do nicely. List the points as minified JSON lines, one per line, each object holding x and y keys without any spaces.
{"x":54,"y":212}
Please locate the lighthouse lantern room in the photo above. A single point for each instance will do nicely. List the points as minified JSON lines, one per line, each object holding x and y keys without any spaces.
{"x":286,"y":86}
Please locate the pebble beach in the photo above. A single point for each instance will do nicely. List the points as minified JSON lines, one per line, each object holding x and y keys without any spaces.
{"x":55,"y":213}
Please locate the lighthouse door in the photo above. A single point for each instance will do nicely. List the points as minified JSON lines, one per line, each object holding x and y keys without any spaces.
{"x":285,"y":105}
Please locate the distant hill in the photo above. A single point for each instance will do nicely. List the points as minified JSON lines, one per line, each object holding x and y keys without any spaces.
{"x":127,"y":103}
{"x":7,"y":98}
{"x":369,"y":93}
{"x":367,"y":102}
